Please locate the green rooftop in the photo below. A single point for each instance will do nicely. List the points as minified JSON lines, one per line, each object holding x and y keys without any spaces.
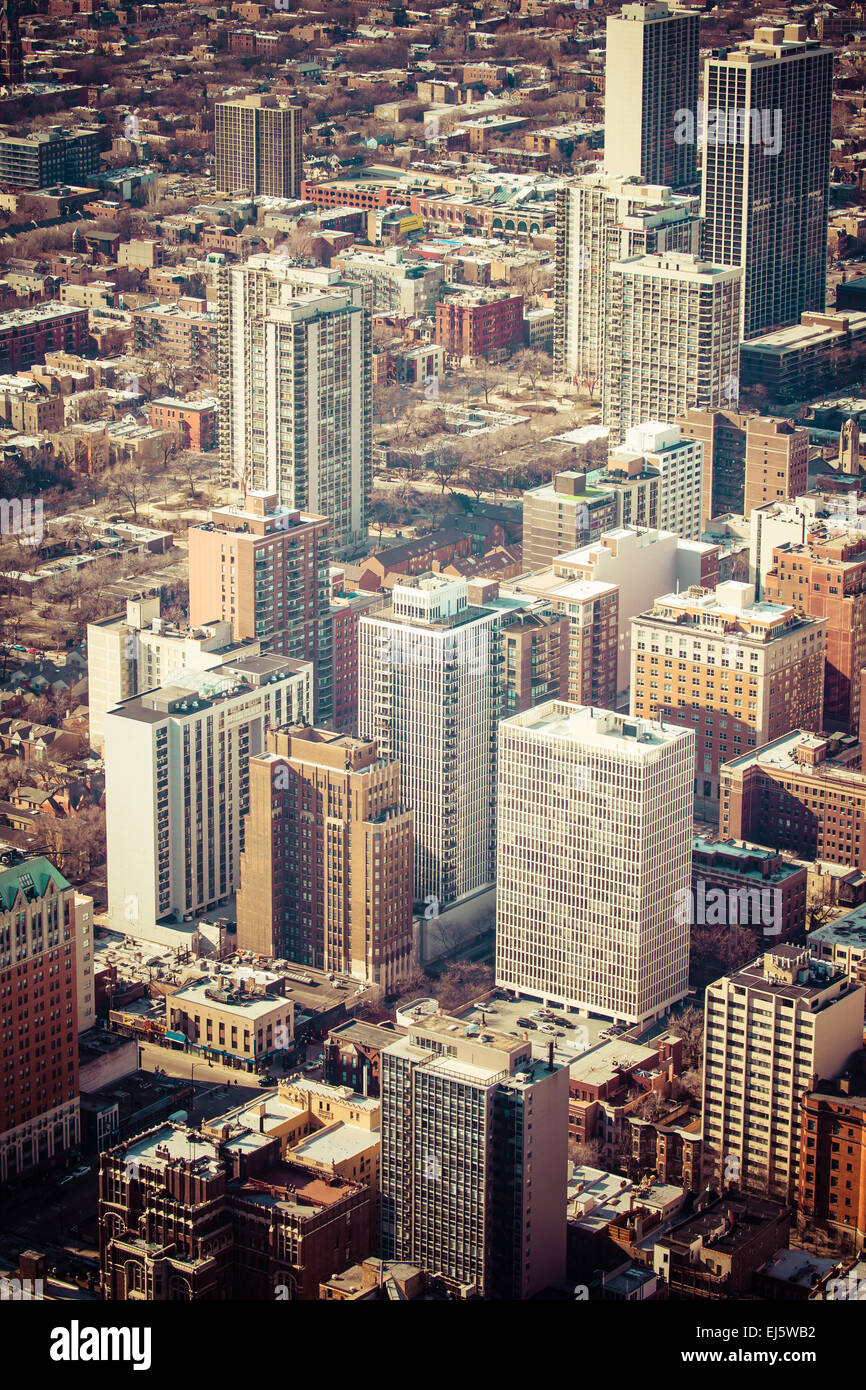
{"x":30,"y":877}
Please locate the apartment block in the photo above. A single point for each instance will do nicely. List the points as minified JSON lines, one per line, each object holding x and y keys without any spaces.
{"x":777,"y":524}
{"x":479,"y":325}
{"x":652,"y":57}
{"x":602,"y":218}
{"x":679,"y":463}
{"x":295,"y":375}
{"x":791,"y":362}
{"x":430,"y":697}
{"x":46,"y":158}
{"x":26,"y":335}
{"x":326,"y":877}
{"x":638,"y":563}
{"x":716,"y":1252}
{"x":258,"y":147}
{"x":831,"y":1191}
{"x":796,"y":794}
{"x":777,"y":462}
{"x":593,"y":847}
{"x":346,"y":610}
{"x":739,"y":672}
{"x":40,"y":980}
{"x":263,"y":568}
{"x":194,"y":423}
{"x":473,"y":1175}
{"x":244,"y":1027}
{"x":177,"y":759}
{"x":766,"y":181}
{"x":588,"y":612}
{"x":771,"y":1028}
{"x":672,"y":339}
{"x":826,"y":576}
{"x":562,"y":515}
{"x":131,"y":654}
{"x":536,"y":652}
{"x":401,"y":284}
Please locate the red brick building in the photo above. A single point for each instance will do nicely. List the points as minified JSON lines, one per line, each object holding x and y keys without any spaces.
{"x":39,"y":1110}
{"x":194,"y":422}
{"x":479,"y":325}
{"x":827,"y":578}
{"x":27,"y":334}
{"x":832,"y":1186}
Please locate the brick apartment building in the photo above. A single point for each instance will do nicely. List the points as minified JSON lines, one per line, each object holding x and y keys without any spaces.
{"x":193,"y":422}
{"x":801,"y":793}
{"x":831,"y":1194}
{"x":826,"y":577}
{"x":479,"y":326}
{"x":327,"y":802}
{"x":39,"y":1107}
{"x":748,"y":459}
{"x":189,"y":1216}
{"x":26,"y":335}
{"x":751,"y":873}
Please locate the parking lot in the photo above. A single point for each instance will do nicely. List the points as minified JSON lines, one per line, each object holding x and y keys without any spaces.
{"x":503,"y":1015}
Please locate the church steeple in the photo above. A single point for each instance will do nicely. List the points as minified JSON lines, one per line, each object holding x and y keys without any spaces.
{"x":11,"y":52}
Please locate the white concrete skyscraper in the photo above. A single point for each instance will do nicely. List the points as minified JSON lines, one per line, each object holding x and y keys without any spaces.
{"x":766,"y":171}
{"x":296,"y":394}
{"x":430,"y":695}
{"x":672,"y":339}
{"x":651,"y":71}
{"x":593,"y":847}
{"x":602,"y":218}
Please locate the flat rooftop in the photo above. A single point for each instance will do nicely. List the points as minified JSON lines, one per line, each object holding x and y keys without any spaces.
{"x":589,"y":727}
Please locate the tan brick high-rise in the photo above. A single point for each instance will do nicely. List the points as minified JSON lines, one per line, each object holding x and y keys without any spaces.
{"x":326,"y":874}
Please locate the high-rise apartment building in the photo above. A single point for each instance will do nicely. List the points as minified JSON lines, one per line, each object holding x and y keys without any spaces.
{"x":564,"y":514}
{"x":771,"y":1028}
{"x":263,"y":568}
{"x":739,"y":672}
{"x":832,"y":1177}
{"x":430,"y":696}
{"x":766,"y":171}
{"x":672,"y":339}
{"x":802,"y":793}
{"x":679,"y":463}
{"x":258,"y":147}
{"x":651,"y":73}
{"x":602,"y":218}
{"x":327,"y":873}
{"x":126,"y":655}
{"x":593,"y":848}
{"x":296,"y":395}
{"x":473,"y":1169}
{"x":39,"y":968}
{"x":177,"y":763}
{"x":826,"y":576}
{"x":777,"y":461}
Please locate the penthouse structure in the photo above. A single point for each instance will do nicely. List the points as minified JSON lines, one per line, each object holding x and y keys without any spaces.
{"x":473,"y":1176}
{"x":593,"y":846}
{"x":739,"y":672}
{"x":177,"y":772}
{"x":327,"y":873}
{"x":770,"y":1028}
{"x":263,"y":568}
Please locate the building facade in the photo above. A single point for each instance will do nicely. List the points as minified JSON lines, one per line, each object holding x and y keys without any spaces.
{"x":593,"y":846}
{"x":258,"y":147}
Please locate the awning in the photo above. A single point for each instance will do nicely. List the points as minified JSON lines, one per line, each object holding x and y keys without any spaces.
{"x":176,"y":1037}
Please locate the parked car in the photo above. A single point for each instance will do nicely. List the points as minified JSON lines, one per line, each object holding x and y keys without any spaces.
{"x":525,"y":1023}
